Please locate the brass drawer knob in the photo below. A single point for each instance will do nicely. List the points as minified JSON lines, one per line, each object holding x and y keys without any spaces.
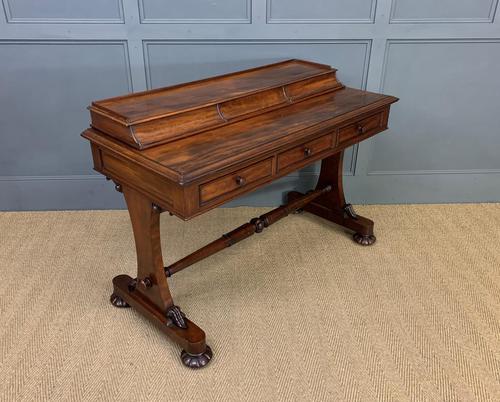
{"x":240,"y":181}
{"x":307,"y":151}
{"x":360,"y":129}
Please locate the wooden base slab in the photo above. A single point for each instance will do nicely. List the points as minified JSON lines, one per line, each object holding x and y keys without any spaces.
{"x":195,"y":352}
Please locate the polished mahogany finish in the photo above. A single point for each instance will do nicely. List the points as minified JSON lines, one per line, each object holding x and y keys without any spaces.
{"x":150,"y":118}
{"x":256,"y":225}
{"x":189,"y":148}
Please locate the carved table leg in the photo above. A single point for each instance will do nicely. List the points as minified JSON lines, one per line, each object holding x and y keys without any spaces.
{"x":332,"y":205}
{"x":149,"y":292}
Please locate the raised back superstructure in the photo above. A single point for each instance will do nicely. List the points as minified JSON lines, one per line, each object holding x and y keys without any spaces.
{"x":149,"y":118}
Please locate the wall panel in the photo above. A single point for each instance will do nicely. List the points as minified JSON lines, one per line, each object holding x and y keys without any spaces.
{"x":45,"y":89}
{"x":68,"y":11}
{"x":441,"y":58}
{"x":195,"y":11}
{"x":442,"y":11}
{"x":321,"y":11}
{"x":172,"y":62}
{"x":452,"y":96}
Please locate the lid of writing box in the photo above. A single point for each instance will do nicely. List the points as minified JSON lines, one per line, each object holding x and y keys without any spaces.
{"x":148,"y":118}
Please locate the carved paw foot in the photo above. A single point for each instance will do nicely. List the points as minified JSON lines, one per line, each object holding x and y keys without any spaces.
{"x":117,"y":301}
{"x":364,"y":240}
{"x":196,"y":361}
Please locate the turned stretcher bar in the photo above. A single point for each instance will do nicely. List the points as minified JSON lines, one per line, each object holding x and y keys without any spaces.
{"x":256,"y":225}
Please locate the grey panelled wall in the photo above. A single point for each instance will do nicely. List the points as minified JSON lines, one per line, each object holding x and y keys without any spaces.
{"x":440,"y":57}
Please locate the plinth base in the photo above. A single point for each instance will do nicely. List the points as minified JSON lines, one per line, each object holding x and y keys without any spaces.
{"x":196,"y":353}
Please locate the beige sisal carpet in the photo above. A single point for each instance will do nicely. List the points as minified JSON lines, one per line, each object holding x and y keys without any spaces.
{"x":297,"y":313}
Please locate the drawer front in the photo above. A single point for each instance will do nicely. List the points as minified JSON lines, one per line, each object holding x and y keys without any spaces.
{"x":236,"y":180}
{"x":304,"y":151}
{"x":368,"y":125}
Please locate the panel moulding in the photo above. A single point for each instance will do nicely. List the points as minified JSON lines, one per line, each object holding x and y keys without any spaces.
{"x":488,"y":19}
{"x":11,"y":19}
{"x":247,"y":20}
{"x":369,"y":20}
{"x":420,"y":172}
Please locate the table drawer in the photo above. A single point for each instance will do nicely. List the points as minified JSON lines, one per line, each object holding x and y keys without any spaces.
{"x":368,"y":125}
{"x":304,"y":151}
{"x":235,"y":180}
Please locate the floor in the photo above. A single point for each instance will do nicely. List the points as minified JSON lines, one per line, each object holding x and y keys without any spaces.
{"x":296,"y":313}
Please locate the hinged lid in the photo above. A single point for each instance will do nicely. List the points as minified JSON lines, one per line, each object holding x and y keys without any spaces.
{"x":149,"y":118}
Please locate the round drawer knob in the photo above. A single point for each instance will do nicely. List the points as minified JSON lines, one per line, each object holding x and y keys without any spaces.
{"x":307,"y":151}
{"x":240,"y":181}
{"x":361,"y":129}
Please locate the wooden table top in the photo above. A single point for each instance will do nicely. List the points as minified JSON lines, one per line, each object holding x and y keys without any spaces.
{"x":190,"y":158}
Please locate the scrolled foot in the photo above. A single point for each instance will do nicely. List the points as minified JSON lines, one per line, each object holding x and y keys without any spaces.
{"x":197,"y":361}
{"x":364,"y":240}
{"x":177,"y":317}
{"x":117,"y":301}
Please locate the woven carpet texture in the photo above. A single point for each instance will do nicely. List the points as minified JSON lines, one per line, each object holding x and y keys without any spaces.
{"x":297,"y":313}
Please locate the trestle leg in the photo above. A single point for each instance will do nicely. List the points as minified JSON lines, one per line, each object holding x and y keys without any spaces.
{"x":332,"y":205}
{"x":149,"y":292}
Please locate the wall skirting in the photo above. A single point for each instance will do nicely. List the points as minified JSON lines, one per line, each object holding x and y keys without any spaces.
{"x":95,"y":192}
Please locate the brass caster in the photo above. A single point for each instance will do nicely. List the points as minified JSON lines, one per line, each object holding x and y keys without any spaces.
{"x":117,"y":301}
{"x":364,"y":240}
{"x":197,"y":361}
